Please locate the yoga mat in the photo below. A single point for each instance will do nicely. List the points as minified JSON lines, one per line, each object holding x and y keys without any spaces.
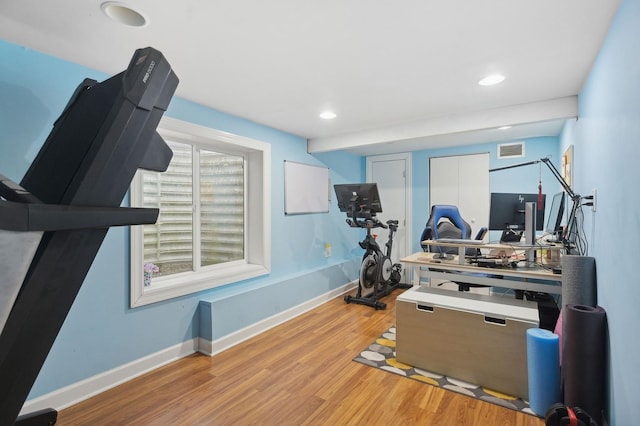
{"x":543,"y":367}
{"x":578,"y":280}
{"x":583,"y":359}
{"x":558,"y":331}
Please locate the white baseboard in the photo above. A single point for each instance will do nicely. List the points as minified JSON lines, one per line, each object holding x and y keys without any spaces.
{"x":84,"y":389}
{"x":211,"y":348}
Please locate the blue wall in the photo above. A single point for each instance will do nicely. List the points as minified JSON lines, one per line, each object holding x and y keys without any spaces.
{"x":606,"y":141}
{"x":101,"y":332}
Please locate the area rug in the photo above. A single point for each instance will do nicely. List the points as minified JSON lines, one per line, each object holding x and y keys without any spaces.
{"x":382,"y":354}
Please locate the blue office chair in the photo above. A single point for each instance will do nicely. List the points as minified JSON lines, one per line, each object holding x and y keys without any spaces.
{"x":444,"y":211}
{"x":454,"y":226}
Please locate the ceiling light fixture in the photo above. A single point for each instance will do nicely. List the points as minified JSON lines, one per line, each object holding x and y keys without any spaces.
{"x":504,"y":127}
{"x":123,"y":14}
{"x":491,"y":79}
{"x":328,"y":115}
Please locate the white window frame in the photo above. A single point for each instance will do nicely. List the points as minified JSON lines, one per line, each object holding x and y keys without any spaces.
{"x":257,"y":218}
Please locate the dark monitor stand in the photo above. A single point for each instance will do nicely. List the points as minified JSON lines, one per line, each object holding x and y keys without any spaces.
{"x":510,"y":236}
{"x":554,"y":238}
{"x":67,"y":201}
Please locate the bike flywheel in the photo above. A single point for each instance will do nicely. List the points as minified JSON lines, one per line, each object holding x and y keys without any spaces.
{"x":368,"y":271}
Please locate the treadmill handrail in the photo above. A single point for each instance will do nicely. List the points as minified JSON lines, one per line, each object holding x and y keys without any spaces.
{"x":27,"y":217}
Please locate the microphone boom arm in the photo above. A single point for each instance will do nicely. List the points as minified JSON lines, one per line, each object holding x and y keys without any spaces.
{"x":575,"y":198}
{"x":553,"y":170}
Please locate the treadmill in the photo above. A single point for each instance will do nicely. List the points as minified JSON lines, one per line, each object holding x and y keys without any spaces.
{"x":53,"y":222}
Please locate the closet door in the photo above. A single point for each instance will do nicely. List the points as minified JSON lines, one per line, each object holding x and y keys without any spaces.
{"x":462,"y":181}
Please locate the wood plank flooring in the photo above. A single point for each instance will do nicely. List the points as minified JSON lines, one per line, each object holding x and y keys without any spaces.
{"x":299,"y":373}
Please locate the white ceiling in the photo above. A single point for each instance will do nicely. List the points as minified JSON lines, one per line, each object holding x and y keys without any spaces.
{"x":400,"y":75}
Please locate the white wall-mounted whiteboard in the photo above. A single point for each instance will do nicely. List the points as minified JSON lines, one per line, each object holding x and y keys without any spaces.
{"x":306,"y":188}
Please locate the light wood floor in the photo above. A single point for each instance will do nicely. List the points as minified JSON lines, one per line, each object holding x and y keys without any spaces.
{"x":299,"y":373}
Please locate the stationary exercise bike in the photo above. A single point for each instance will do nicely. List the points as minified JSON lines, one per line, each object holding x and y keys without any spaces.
{"x":377,"y":272}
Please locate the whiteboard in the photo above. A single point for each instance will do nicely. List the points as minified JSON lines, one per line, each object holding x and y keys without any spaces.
{"x":306,"y":188}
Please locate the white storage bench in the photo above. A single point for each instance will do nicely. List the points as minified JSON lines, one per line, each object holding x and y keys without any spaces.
{"x":472,"y":337}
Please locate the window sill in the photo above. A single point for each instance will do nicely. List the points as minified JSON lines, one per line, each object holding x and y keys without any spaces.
{"x":194,"y":283}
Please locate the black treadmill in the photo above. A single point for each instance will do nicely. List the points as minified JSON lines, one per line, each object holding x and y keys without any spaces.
{"x":54,"y":221}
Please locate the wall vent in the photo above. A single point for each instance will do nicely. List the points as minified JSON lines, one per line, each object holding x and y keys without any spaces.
{"x":511,"y":150}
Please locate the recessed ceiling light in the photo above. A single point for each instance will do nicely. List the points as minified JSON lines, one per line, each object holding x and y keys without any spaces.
{"x":504,"y":127}
{"x":123,"y":14}
{"x":491,"y":79}
{"x":328,"y":115}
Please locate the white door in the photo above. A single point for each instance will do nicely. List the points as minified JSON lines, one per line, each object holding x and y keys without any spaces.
{"x":392,"y":174}
{"x":461,"y":181}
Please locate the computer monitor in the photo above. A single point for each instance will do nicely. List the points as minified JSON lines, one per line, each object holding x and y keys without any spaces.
{"x":364,"y":197}
{"x":556,"y":213}
{"x":507,"y":211}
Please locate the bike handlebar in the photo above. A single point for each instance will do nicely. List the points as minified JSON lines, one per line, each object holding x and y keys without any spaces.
{"x":372,"y":223}
{"x":367,"y":223}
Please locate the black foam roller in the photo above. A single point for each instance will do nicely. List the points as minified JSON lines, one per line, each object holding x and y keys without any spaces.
{"x":583,"y":359}
{"x":578,"y":280}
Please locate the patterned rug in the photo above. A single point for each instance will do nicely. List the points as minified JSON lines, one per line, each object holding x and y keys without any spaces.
{"x":382,"y":354}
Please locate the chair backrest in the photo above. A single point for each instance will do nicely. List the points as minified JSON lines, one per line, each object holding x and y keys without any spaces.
{"x":454,"y":227}
{"x":445,"y":211}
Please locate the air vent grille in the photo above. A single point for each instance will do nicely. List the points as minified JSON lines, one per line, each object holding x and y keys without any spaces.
{"x":511,"y":150}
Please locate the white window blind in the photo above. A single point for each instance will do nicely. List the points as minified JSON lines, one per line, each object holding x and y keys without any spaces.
{"x":201,"y":202}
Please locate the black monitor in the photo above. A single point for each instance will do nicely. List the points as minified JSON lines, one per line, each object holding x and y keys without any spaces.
{"x":507,"y":211}
{"x":556,"y":212}
{"x":358,"y":197}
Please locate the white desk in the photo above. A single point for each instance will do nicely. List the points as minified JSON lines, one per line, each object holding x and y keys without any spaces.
{"x":458,"y":270}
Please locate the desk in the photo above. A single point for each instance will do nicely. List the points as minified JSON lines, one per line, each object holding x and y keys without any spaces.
{"x":457,"y":270}
{"x":510,"y":249}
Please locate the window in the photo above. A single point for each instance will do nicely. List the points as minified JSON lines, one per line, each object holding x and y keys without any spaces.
{"x":213,"y":198}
